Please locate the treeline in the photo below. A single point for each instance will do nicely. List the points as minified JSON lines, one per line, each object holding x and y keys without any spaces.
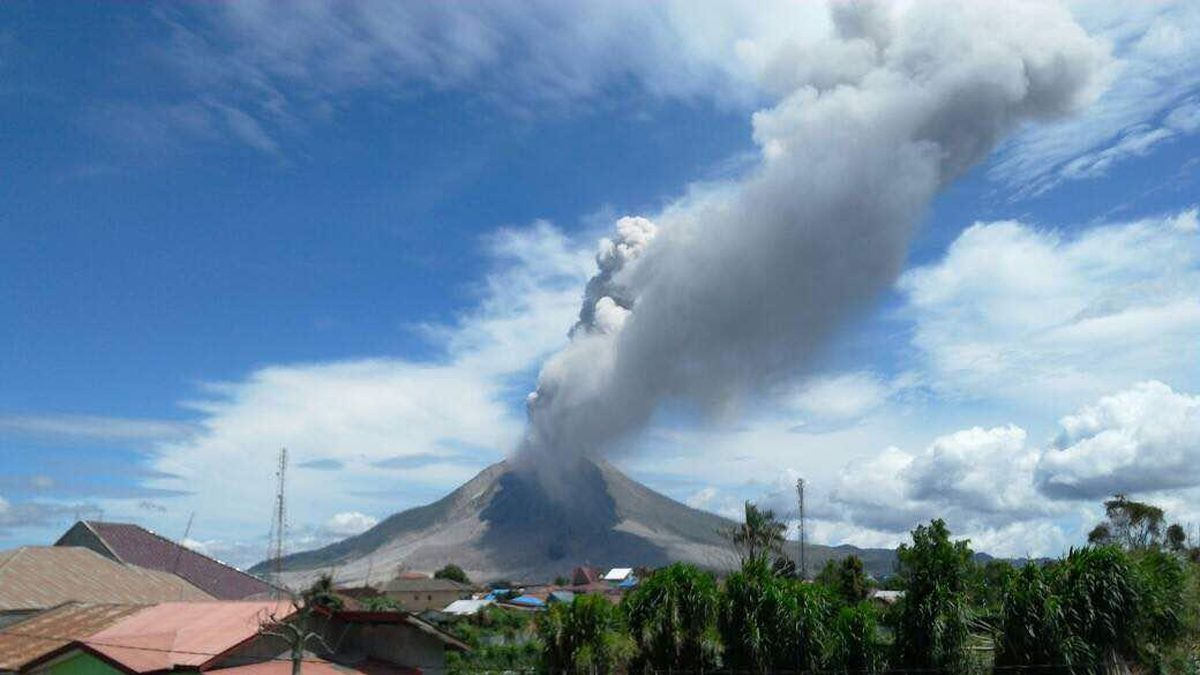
{"x":1126,"y":602}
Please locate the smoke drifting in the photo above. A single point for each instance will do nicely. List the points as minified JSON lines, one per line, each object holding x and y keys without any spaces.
{"x":736,"y":285}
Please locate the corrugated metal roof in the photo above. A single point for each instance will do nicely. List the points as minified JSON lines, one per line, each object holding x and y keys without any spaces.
{"x":401,"y":585}
{"x":136,"y":545}
{"x":47,"y":631}
{"x":318,"y":667}
{"x":184,"y":634}
{"x":40,"y":577}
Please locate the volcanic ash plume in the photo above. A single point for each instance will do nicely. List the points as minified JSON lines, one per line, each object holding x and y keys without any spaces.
{"x":735,"y":285}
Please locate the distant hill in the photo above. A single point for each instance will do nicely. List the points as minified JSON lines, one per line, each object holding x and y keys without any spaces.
{"x":502,"y":524}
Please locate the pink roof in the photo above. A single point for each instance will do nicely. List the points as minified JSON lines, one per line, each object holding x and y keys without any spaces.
{"x":183,"y":634}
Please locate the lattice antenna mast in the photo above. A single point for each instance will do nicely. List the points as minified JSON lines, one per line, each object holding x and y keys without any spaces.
{"x":280,"y":523}
{"x":803,"y":543}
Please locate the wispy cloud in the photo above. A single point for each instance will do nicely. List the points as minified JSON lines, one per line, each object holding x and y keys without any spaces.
{"x":68,"y":427}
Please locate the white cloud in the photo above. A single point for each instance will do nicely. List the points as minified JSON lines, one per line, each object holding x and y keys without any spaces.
{"x":1157,"y":46}
{"x":1034,"y":316}
{"x":358,"y":413}
{"x":350,"y":523}
{"x":840,"y":397}
{"x":1143,"y":439}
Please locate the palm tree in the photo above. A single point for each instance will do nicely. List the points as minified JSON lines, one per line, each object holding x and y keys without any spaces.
{"x":673,"y":618}
{"x":759,"y":536}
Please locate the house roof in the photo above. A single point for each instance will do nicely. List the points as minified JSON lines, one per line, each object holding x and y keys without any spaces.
{"x":44,"y":632}
{"x":318,"y":667}
{"x":40,"y":577}
{"x":135,"y":545}
{"x":466,"y":607}
{"x":618,"y":573}
{"x":584,"y":575}
{"x":403,"y":585}
{"x":400,"y":617}
{"x":175,"y":635}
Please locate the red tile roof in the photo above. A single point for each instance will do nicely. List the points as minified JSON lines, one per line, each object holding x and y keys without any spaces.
{"x":135,"y":545}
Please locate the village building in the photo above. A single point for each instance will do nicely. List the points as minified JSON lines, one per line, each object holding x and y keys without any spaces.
{"x":36,"y":578}
{"x":135,"y":545}
{"x":53,"y":629}
{"x":422,"y":593}
{"x":242,"y":638}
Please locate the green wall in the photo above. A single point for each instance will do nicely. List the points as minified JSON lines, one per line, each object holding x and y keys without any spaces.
{"x":78,"y":663}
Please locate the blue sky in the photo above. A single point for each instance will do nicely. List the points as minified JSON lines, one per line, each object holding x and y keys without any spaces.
{"x":359,"y":233}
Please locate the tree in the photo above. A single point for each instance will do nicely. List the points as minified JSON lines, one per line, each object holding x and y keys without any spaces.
{"x":771,"y":623}
{"x":673,"y":619}
{"x":453,"y":573}
{"x":1034,"y":626}
{"x":322,"y":594}
{"x":932,"y":626}
{"x":857,"y":645}
{"x":587,"y":635}
{"x":846,"y":577}
{"x":381,"y":603}
{"x":1135,"y":526}
{"x":759,"y":536}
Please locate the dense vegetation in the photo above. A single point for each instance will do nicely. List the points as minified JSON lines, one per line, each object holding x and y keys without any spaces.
{"x":1125,"y":603}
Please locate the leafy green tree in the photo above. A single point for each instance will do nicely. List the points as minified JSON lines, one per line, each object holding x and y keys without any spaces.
{"x":932,"y":625}
{"x":322,"y":594}
{"x":1035,"y":626}
{"x":453,"y":573}
{"x":673,"y":618}
{"x":857,"y":645}
{"x":1136,"y":526}
{"x":586,"y":636}
{"x":773,"y":623}
{"x":845,"y":577}
{"x":760,"y":535}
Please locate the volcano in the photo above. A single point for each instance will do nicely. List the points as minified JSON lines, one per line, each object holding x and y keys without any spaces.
{"x":503,"y":524}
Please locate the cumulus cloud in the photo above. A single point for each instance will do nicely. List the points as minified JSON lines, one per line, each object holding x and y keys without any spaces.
{"x":1035,"y":315}
{"x":1143,"y":439}
{"x":743,"y":282}
{"x":349,"y":523}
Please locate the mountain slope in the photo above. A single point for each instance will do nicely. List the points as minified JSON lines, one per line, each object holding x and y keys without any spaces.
{"x":503,"y":524}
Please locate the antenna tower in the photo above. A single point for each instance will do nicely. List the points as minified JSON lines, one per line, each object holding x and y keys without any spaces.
{"x":803,"y":543}
{"x":280,"y":522}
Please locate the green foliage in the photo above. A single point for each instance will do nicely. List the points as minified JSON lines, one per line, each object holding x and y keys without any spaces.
{"x":587,"y":635}
{"x":1100,"y":605}
{"x":932,"y":626}
{"x":322,"y":594}
{"x":759,"y":536}
{"x":561,"y":581}
{"x":672,"y":617}
{"x":453,"y":573}
{"x":381,"y":603}
{"x":1136,"y":526}
{"x":858,"y":646}
{"x":773,"y":623}
{"x":500,"y":639}
{"x":846,"y":578}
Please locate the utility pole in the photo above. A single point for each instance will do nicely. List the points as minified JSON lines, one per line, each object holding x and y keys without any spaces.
{"x":277,"y":527}
{"x":803,"y":543}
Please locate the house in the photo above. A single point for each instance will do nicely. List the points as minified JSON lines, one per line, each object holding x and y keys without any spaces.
{"x":885,"y":597}
{"x":36,"y":578}
{"x":585,"y":576}
{"x":173,"y":636}
{"x":618,"y":574}
{"x":563,"y":596}
{"x":26,"y":641}
{"x":135,"y":545}
{"x":419,"y":594}
{"x":243,"y":638}
{"x":466,"y":607}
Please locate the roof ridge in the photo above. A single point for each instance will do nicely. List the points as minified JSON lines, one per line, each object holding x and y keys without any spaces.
{"x":186,"y":548}
{"x":7,"y":559}
{"x":88,"y":525}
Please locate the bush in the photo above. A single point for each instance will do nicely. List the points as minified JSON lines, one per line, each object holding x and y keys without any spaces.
{"x":672,"y":617}
{"x":453,"y":573}
{"x":588,"y":635}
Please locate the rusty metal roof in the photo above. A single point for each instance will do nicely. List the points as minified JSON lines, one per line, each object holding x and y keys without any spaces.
{"x":40,"y":577}
{"x":135,"y":545}
{"x":52,"y":629}
{"x":318,"y":667}
{"x":184,"y":634}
